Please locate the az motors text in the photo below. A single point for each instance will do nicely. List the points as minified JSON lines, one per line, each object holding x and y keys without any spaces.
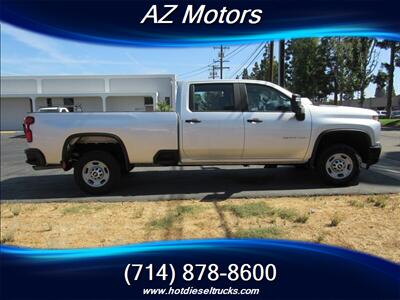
{"x":201,"y":14}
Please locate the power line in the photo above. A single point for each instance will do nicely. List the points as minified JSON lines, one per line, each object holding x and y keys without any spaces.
{"x":255,"y":57}
{"x":213,"y":71}
{"x":251,"y":57}
{"x":240,"y":68}
{"x":236,"y":51}
{"x":233,"y":51}
{"x":195,"y":70}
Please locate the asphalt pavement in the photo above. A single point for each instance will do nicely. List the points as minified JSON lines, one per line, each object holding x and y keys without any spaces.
{"x":19,"y":182}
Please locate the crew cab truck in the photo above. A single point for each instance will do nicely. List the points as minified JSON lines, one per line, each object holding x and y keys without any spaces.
{"x":226,"y":122}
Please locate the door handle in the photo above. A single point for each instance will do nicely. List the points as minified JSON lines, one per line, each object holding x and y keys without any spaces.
{"x":193,"y":121}
{"x":255,"y":120}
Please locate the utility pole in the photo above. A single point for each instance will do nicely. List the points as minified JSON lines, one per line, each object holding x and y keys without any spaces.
{"x":282,"y":63}
{"x":213,"y":72}
{"x":271,"y":61}
{"x":221,"y":60}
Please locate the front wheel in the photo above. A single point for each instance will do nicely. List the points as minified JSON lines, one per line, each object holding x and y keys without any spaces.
{"x":339,"y":165}
{"x":97,"y":172}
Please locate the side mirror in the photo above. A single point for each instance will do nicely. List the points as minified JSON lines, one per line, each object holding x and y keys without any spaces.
{"x":297,"y":107}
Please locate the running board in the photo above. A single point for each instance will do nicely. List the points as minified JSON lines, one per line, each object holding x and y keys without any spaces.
{"x":48,"y":167}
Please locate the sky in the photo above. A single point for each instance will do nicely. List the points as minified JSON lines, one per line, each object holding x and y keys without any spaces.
{"x":27,"y":53}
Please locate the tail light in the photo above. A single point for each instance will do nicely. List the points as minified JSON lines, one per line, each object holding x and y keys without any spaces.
{"x":28,"y":121}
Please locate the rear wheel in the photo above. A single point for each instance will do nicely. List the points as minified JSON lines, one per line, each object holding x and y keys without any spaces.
{"x":97,"y":172}
{"x":339,"y":165}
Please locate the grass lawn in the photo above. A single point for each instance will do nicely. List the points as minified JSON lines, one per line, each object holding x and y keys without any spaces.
{"x":390,"y":122}
{"x":365,"y":223}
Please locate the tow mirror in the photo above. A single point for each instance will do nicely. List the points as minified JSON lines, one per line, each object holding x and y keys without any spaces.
{"x":297,"y":107}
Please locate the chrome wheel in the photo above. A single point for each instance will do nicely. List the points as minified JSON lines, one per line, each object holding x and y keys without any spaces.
{"x":339,"y":166}
{"x":95,"y":173}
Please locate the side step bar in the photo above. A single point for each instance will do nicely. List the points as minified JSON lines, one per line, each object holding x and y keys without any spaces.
{"x":47,"y":167}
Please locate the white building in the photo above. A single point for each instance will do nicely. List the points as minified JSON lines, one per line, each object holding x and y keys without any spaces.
{"x":376,"y":103}
{"x":22,"y":94}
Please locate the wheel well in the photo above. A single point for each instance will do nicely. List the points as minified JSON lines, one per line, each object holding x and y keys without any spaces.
{"x":78,"y":144}
{"x":358,"y":140}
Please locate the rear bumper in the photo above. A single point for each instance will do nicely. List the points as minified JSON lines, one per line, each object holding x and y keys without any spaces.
{"x":373,"y":154}
{"x":35,"y":157}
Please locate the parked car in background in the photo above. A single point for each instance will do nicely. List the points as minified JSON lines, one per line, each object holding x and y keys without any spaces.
{"x":382,"y":113}
{"x":395,"y":114}
{"x":242,"y":122}
{"x":54,"y":109}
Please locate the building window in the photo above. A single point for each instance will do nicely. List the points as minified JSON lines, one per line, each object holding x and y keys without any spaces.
{"x":167,"y":100}
{"x":148,"y":104}
{"x":69,"y":104}
{"x":49,"y":102}
{"x":148,"y":100}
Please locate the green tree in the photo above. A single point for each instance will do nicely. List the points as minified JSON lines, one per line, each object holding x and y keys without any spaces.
{"x":323,"y":82}
{"x":265,"y":67}
{"x":306,"y":68}
{"x":338,"y":53}
{"x":362,"y":63}
{"x":260,"y":69}
{"x":394,"y":61}
{"x":245,"y":74}
{"x":288,"y":64}
{"x":256,"y":72}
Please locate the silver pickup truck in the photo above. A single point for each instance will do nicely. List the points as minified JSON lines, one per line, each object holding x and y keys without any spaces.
{"x":232,"y":122}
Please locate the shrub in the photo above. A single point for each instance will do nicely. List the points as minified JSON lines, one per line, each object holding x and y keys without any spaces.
{"x":378,"y":201}
{"x":249,"y":209}
{"x":269,"y":232}
{"x":302,"y":219}
{"x":356,"y":203}
{"x":335,"y":220}
{"x":7,"y":237}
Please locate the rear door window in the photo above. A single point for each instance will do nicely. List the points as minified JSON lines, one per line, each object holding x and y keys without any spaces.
{"x":212,"y":97}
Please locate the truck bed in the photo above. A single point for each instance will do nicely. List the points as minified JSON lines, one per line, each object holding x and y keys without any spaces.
{"x":156,"y":130}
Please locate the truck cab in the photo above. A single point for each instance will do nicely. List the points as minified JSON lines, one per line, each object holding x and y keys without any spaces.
{"x":240,"y":122}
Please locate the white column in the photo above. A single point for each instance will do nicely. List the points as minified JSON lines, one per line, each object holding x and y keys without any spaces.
{"x":33,"y":104}
{"x":107,"y":84}
{"x":155,"y":101}
{"x":103,"y":100}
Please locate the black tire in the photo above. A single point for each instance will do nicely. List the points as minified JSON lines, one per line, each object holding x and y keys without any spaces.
{"x":112,"y":168}
{"x":328,"y":172}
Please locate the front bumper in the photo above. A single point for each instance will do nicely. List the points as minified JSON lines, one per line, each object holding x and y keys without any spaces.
{"x":35,"y":157}
{"x":373,"y":154}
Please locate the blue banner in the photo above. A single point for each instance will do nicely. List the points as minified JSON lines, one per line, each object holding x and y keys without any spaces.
{"x":188,"y":23}
{"x":198,"y":268}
